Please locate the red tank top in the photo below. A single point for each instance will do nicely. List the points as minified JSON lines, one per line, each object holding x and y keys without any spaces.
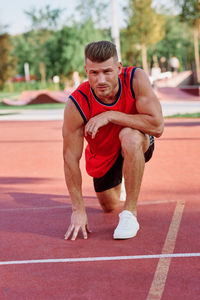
{"x":102,"y":151}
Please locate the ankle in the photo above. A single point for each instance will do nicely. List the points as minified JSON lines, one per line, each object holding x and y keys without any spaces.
{"x":134,"y":212}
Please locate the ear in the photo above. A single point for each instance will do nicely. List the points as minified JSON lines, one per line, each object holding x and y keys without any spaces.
{"x":119,"y":68}
{"x":85,"y":69}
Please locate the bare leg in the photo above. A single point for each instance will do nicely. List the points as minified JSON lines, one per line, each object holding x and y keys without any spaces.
{"x":134,"y":144}
{"x":109,"y":199}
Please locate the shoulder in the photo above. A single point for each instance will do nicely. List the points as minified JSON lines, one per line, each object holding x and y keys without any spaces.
{"x":141,"y":83}
{"x":72,"y":117}
{"x":81,"y":99}
{"x":127,"y":75}
{"x":141,"y":74}
{"x":127,"y":72}
{"x":82,"y":93}
{"x":83,"y":87}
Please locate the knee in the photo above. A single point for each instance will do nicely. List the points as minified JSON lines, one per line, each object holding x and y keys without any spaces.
{"x":109,"y":207}
{"x":109,"y":199}
{"x":131,"y":141}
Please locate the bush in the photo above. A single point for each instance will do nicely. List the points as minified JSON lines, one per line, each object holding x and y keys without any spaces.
{"x":18,"y":87}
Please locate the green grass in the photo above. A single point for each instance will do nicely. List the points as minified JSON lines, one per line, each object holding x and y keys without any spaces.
{"x":9,"y":113}
{"x":13,"y":96}
{"x":32,"y":85}
{"x":187,"y":115}
{"x":32,"y":106}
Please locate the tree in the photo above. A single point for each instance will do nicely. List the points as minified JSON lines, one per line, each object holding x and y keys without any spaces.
{"x":145,"y":27}
{"x":7,"y":64}
{"x":190,"y":13}
{"x":177,"y":42}
{"x":97,"y":10}
{"x":3,"y":28}
{"x":44,"y":23}
{"x":64,"y":51}
{"x":44,"y":18}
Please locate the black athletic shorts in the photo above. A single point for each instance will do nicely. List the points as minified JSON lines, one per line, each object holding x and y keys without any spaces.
{"x":114,"y":176}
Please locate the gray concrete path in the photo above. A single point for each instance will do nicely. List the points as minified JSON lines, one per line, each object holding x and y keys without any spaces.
{"x":169,"y":108}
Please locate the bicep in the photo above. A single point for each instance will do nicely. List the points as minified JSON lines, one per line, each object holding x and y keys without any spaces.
{"x":146,"y":100}
{"x":72,"y":132}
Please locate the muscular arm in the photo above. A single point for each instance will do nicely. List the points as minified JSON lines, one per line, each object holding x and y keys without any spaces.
{"x":149,"y":118}
{"x":72,"y":152}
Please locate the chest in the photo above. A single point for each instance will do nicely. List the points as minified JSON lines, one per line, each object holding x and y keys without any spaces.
{"x":125,"y":103}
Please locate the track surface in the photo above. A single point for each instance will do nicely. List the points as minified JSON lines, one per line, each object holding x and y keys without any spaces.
{"x":35,"y":212}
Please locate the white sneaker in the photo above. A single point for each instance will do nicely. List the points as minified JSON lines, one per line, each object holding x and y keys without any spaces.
{"x":128,"y":226}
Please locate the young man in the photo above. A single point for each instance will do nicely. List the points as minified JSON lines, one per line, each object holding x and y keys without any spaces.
{"x":118,"y":114}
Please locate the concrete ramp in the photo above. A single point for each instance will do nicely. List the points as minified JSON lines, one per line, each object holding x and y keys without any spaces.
{"x":39,"y":97}
{"x":174,"y":93}
{"x":176,"y":80}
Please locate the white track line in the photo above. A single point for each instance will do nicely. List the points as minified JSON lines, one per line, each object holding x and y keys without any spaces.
{"x":96,"y":259}
{"x":160,"y":276}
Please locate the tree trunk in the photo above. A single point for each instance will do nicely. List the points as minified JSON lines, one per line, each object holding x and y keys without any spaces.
{"x":43,"y":74}
{"x":144,"y":58}
{"x":196,"y":53}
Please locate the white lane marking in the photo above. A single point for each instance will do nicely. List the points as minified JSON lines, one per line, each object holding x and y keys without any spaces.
{"x":160,"y":276}
{"x":96,"y":259}
{"x":69,"y":205}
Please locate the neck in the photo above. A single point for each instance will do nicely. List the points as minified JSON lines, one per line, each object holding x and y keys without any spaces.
{"x":112,"y":97}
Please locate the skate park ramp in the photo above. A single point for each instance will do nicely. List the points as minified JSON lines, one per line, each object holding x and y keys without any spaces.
{"x":178,"y":87}
{"x":39,"y":97}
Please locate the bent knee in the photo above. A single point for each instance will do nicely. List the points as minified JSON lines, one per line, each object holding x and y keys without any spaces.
{"x":108,"y":207}
{"x":108,"y":204}
{"x":109,"y":199}
{"x":133,"y":140}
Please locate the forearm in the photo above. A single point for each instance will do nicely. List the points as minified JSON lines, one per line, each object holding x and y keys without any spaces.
{"x":145,"y":123}
{"x":73,"y":181}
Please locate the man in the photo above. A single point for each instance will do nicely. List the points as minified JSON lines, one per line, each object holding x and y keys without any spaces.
{"x":118,"y":113}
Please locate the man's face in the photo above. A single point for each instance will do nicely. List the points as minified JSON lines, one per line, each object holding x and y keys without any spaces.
{"x":103,"y":77}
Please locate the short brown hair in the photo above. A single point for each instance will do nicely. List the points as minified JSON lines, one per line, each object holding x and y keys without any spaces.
{"x":100,"y":51}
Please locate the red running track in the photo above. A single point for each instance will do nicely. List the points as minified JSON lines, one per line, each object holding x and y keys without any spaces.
{"x":35,"y":212}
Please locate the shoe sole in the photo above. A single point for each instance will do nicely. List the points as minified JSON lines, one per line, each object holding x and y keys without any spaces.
{"x":115,"y":237}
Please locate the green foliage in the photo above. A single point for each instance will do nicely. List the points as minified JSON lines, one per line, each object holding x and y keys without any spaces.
{"x":144,"y":28}
{"x":30,"y":46}
{"x":177,"y":42}
{"x":61,"y":51}
{"x":19,"y":87}
{"x":190,"y":11}
{"x":97,"y":10}
{"x":23,"y":51}
{"x":187,"y":115}
{"x":130,"y":53}
{"x":17,"y":108}
{"x":7,"y":63}
{"x":64,"y":51}
{"x":44,"y":18}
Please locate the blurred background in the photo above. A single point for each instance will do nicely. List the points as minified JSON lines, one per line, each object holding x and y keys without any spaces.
{"x":42,"y":42}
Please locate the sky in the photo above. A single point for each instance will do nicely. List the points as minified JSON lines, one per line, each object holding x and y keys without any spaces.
{"x":12,"y":12}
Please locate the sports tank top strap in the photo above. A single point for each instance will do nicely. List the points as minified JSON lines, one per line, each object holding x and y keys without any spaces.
{"x":81,"y":99}
{"x":128,"y":78}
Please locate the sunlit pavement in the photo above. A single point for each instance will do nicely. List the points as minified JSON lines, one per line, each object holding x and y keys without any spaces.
{"x":180,"y":107}
{"x":169,"y":108}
